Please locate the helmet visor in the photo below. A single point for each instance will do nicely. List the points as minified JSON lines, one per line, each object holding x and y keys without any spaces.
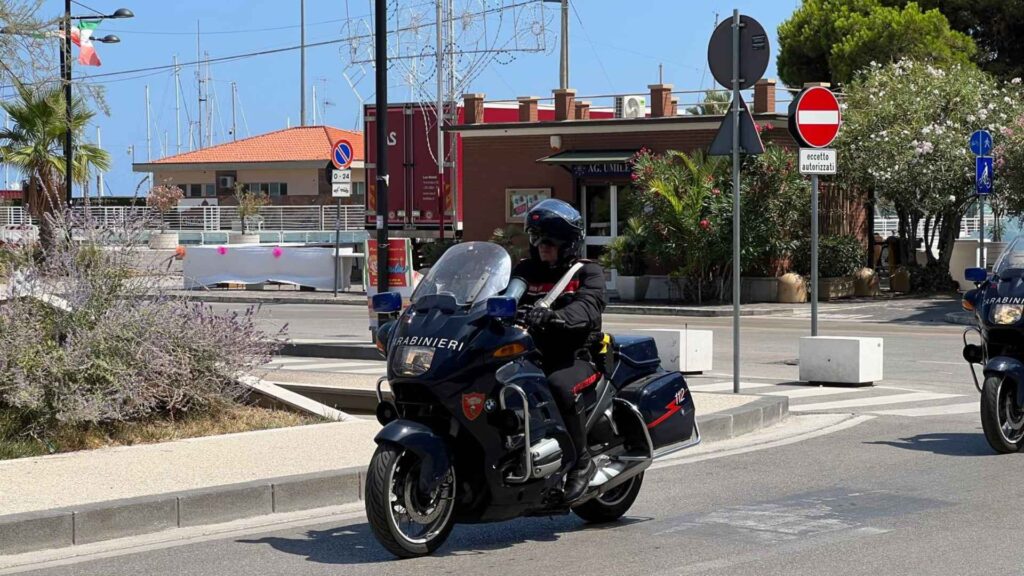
{"x":537,"y":239}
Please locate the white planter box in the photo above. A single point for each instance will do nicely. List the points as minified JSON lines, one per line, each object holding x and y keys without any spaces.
{"x":689,"y":351}
{"x":840,"y":360}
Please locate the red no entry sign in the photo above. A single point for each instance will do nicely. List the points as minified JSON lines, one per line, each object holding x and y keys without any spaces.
{"x":815,"y":117}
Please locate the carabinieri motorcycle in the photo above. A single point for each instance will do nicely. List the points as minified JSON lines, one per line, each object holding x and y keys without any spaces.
{"x":998,"y":305}
{"x":473,"y":434}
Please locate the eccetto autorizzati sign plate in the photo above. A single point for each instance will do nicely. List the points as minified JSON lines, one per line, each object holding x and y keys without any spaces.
{"x":818,"y":161}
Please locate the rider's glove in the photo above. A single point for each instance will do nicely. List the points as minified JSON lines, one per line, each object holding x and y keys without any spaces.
{"x":541,"y":317}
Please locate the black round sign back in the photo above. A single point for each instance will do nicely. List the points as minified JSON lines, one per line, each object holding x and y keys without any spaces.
{"x":754,"y":53}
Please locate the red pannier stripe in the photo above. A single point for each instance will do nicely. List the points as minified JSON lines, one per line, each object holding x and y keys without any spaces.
{"x":586,"y":384}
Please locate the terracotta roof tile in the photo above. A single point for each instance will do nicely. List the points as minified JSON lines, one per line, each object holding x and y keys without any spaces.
{"x":297,"y":144}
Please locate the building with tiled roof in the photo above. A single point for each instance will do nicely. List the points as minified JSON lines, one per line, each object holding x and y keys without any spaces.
{"x":292,"y":166}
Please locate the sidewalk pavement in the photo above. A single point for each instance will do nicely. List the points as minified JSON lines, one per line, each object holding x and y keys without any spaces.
{"x":82,"y":497}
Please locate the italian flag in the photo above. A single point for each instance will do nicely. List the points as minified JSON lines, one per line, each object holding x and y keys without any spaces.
{"x":82,"y":37}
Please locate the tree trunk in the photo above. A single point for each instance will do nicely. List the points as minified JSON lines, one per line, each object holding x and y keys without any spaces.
{"x":947,"y":237}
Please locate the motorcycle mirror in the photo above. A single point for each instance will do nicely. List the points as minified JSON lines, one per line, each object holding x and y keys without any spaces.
{"x":386,"y":302}
{"x":976,"y":275}
{"x":382,"y":337}
{"x":501,"y":307}
{"x":968,"y":300}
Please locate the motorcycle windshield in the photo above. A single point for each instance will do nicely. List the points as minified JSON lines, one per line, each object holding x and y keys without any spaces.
{"x":470,"y":272}
{"x":1011,"y":262}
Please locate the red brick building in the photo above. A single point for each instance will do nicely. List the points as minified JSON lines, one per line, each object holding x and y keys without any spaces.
{"x":577,"y":159}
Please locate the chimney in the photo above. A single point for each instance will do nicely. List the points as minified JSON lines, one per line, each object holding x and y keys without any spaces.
{"x":583,"y":110}
{"x":661,"y":100}
{"x":528,"y":108}
{"x":474,"y":104}
{"x":764,"y":97}
{"x":673,"y":109}
{"x":565,"y":104}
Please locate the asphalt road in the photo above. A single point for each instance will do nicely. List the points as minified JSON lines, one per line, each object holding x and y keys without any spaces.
{"x":921,"y":351}
{"x":885,"y":496}
{"x":914,"y":490}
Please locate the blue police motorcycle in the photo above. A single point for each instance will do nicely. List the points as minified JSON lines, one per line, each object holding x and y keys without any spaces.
{"x":472,"y":433}
{"x":998,"y":305}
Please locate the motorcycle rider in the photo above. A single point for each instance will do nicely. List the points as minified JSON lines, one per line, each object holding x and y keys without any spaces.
{"x":564,"y":331}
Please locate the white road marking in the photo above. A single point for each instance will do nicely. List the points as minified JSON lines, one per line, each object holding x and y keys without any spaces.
{"x":950,"y":409}
{"x":876,"y":401}
{"x":727,"y":386}
{"x":329,"y":365}
{"x":808,"y":392}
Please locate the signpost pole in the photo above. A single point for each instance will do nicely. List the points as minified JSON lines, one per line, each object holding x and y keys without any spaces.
{"x":981,"y":223}
{"x":381,"y":57}
{"x":814,"y":255}
{"x":736,"y":268}
{"x":337,"y":247}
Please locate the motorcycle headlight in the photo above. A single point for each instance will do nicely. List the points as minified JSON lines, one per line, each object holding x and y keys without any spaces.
{"x":1007,"y":313}
{"x":413,"y":360}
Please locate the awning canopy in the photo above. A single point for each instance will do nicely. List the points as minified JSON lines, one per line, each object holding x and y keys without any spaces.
{"x":574,"y":157}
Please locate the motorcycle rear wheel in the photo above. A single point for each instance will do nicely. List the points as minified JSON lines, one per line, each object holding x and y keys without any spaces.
{"x":611,"y":505}
{"x":1001,"y":418}
{"x":404,"y":521}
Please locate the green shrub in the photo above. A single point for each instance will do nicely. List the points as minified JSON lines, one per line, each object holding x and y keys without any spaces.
{"x":125,"y":352}
{"x":627,"y":253}
{"x":838,"y":256}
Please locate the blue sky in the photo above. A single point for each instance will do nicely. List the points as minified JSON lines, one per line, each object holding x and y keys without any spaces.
{"x":615,"y":48}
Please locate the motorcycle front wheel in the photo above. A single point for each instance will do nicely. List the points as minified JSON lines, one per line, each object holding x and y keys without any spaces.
{"x":405,"y":521}
{"x":1001,"y":418}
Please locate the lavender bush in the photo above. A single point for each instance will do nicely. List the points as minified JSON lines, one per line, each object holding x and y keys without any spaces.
{"x":92,"y":335}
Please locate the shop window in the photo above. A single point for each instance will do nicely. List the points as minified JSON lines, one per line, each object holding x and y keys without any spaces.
{"x":599,"y":211}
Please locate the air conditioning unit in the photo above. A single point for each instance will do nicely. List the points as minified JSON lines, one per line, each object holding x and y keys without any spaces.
{"x":630,"y":106}
{"x":226,"y":182}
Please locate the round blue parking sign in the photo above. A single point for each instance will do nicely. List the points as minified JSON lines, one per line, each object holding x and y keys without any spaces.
{"x":342,"y":154}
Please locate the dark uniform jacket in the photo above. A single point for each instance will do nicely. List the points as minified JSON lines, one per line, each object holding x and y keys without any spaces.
{"x":580,"y":306}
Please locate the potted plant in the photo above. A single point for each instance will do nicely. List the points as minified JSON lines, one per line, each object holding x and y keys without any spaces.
{"x":249,"y":205}
{"x":839,"y":258}
{"x":162,"y":199}
{"x":627,"y":254}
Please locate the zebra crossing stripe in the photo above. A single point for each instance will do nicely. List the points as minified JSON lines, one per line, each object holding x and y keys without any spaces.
{"x":320,"y":366}
{"x":727,"y":386}
{"x":286,"y":361}
{"x":948,"y":410}
{"x":808,"y":392}
{"x":875,"y":401}
{"x":380,"y":370}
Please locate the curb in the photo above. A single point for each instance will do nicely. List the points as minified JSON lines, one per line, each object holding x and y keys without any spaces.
{"x":962,"y":318}
{"x":71,"y":526}
{"x":629,"y":310}
{"x":331,"y":350}
{"x":77,"y":525}
{"x":625,"y":309}
{"x":240,"y":299}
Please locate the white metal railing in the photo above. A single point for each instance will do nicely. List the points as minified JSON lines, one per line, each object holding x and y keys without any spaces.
{"x":14,"y":215}
{"x":226,"y":218}
{"x":969,"y":227}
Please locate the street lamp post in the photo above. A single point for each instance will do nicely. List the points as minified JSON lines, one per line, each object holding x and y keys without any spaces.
{"x":65,"y":71}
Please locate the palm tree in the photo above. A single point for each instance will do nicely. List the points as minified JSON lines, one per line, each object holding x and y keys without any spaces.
{"x":34,"y":145}
{"x":716,"y":103}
